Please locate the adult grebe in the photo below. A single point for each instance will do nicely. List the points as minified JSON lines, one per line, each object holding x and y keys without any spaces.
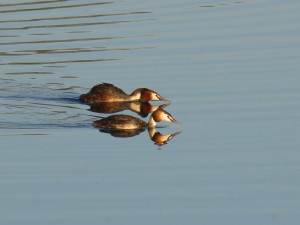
{"x":122,"y":121}
{"x":109,"y":93}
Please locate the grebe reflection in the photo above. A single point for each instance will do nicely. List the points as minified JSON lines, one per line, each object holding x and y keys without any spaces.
{"x":158,"y":138}
{"x":122,"y":121}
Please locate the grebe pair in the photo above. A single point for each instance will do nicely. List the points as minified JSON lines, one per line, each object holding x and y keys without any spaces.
{"x":106,"y":92}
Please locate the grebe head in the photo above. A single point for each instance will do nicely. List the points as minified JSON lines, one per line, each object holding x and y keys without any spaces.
{"x":162,"y":115}
{"x":146,"y":95}
{"x":160,"y":139}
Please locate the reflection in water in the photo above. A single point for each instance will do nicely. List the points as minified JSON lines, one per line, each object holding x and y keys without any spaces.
{"x":122,"y":133}
{"x":122,"y":121}
{"x":128,"y":126}
{"x":158,"y":138}
{"x":141,"y":108}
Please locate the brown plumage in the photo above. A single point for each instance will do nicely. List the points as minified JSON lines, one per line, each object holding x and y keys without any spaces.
{"x":122,"y":121}
{"x":106,"y":92}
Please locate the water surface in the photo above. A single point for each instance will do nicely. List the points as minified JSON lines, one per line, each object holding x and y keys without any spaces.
{"x":231,"y":70}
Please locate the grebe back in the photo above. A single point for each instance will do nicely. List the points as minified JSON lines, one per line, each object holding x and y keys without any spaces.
{"x":106,"y":92}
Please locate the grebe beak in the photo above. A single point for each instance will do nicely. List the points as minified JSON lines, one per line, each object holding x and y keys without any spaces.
{"x":164,"y":105}
{"x":173,"y":120}
{"x":172,"y":135}
{"x":161,"y":114}
{"x":161,"y":98}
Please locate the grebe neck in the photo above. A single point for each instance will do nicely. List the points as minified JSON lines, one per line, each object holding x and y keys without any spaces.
{"x":151,"y":131}
{"x":135,"y":95}
{"x":151,"y":123}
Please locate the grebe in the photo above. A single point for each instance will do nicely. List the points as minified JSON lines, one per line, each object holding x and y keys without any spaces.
{"x":109,"y":93}
{"x":122,"y":121}
{"x":160,"y":139}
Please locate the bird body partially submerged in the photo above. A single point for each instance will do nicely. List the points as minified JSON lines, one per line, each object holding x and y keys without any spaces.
{"x":106,"y":92}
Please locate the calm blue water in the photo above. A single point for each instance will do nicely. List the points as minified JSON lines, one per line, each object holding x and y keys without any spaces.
{"x":231,"y":69}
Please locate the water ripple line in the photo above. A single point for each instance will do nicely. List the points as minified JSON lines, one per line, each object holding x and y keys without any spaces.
{"x":72,"y":17}
{"x":54,"y":7}
{"x":73,"y":24}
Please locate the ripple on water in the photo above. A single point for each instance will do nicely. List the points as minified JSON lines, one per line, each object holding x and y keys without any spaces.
{"x":40,"y":48}
{"x":52,"y":105}
{"x":231,"y":71}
